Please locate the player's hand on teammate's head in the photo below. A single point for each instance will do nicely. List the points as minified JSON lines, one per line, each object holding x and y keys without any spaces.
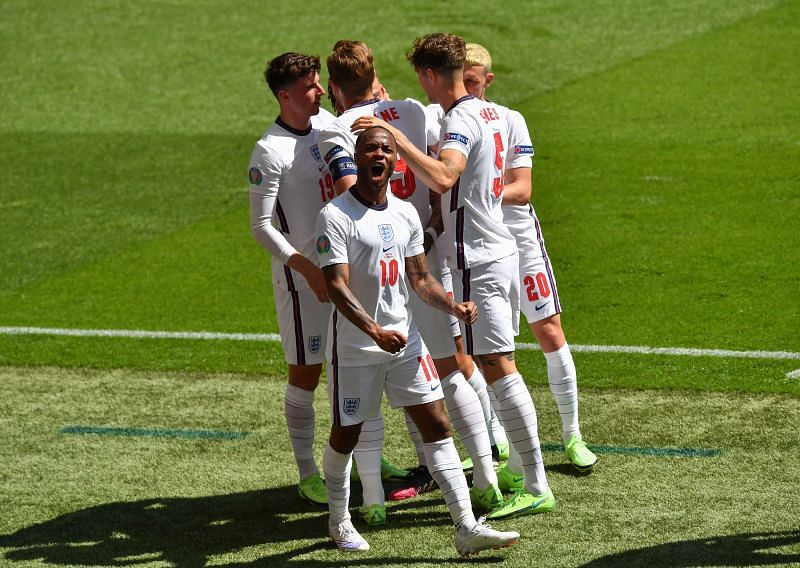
{"x":466,"y":312}
{"x":391,"y":341}
{"x":362,"y":123}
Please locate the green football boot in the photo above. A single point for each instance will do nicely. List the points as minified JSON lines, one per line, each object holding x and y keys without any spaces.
{"x":373,"y":515}
{"x":578,"y":454}
{"x":503,"y":451}
{"x":312,"y":489}
{"x":486,"y":499}
{"x":388,"y":471}
{"x":507,"y":480}
{"x":524,"y":503}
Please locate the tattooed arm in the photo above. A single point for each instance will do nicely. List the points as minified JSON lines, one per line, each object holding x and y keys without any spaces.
{"x":337,"y":277}
{"x":431,"y":292}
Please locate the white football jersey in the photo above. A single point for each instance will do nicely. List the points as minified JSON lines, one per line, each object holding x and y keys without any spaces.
{"x":471,"y":210}
{"x":374,"y":242}
{"x":337,"y":145}
{"x":520,"y":219}
{"x":289,"y":184}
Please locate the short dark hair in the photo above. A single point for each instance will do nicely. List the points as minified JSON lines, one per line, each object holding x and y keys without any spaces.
{"x":361,"y":136}
{"x":289,"y":67}
{"x":443,"y":53}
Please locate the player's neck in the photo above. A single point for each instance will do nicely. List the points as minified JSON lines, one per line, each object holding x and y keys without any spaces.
{"x":297,"y":121}
{"x":452,"y":94}
{"x":373,"y":196}
{"x":364,"y":98}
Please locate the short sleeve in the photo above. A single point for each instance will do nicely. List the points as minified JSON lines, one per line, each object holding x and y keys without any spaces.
{"x":457,"y":134}
{"x":337,"y":150}
{"x":332,"y":232}
{"x":417,"y":238}
{"x":520,"y":147}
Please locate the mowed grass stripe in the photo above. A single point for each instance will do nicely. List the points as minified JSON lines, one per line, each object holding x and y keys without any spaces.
{"x":154,"y":432}
{"x":210,"y":335}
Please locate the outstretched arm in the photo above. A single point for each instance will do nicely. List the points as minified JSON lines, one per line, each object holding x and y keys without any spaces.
{"x":431,"y":292}
{"x":439,"y":175}
{"x":337,"y":277}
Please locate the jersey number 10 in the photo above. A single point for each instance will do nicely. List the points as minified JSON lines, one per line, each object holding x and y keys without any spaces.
{"x":390,"y":272}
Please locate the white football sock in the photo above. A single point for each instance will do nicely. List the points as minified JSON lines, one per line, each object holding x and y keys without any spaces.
{"x":416,"y":437}
{"x":367,"y":455}
{"x":563,"y":381}
{"x":337,"y":483}
{"x":445,"y":468}
{"x":466,"y":415}
{"x":518,"y":416}
{"x":514,"y":465}
{"x":498,"y":432}
{"x":298,"y":408}
{"x":478,"y":384}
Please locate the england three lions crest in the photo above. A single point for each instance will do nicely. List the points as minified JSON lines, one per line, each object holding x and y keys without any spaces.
{"x":351,"y":405}
{"x":314,"y":343}
{"x":386,"y":233}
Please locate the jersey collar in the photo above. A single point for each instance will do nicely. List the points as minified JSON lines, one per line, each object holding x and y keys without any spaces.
{"x":294,"y":131}
{"x":365,"y":103}
{"x":365,"y":203}
{"x":459,"y":101}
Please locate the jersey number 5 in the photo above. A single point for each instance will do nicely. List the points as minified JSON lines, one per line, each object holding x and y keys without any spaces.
{"x":497,"y":185}
{"x":405,"y":183}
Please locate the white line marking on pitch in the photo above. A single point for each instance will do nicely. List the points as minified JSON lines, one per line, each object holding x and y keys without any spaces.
{"x":210,"y":335}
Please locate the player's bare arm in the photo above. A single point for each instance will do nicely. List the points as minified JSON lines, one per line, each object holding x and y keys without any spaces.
{"x":343,"y":184}
{"x":439,"y":175}
{"x":337,"y":277}
{"x":517,"y":186}
{"x":430,"y":290}
{"x":435,"y":224}
{"x":312,"y":273}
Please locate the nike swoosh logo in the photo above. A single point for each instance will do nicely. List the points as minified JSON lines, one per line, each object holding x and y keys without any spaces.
{"x":320,"y":168}
{"x":433,"y":388}
{"x":541,"y":307}
{"x":388,"y":249}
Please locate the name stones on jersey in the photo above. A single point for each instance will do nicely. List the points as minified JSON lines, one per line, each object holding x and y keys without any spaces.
{"x":386,"y":232}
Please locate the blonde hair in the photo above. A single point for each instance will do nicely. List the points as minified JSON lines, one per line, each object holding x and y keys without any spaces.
{"x":478,"y":55}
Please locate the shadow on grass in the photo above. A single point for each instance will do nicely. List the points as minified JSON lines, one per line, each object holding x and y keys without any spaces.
{"x":188,"y":531}
{"x":755,"y":549}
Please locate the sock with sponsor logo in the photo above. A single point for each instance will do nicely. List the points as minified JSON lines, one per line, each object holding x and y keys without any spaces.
{"x":445,"y":468}
{"x":518,"y":416}
{"x":367,"y":455}
{"x":562,"y":377}
{"x":298,"y":408}
{"x":336,"y":467}
{"x":466,"y":414}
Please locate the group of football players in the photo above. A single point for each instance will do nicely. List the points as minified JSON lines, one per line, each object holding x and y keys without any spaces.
{"x":404,"y":245}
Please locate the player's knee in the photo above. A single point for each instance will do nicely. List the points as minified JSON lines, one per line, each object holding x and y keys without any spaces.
{"x":343,"y":439}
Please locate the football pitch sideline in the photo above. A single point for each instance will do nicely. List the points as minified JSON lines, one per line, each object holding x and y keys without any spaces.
{"x":122,"y":467}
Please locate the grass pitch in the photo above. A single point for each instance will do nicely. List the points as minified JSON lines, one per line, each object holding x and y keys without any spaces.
{"x":150,"y":500}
